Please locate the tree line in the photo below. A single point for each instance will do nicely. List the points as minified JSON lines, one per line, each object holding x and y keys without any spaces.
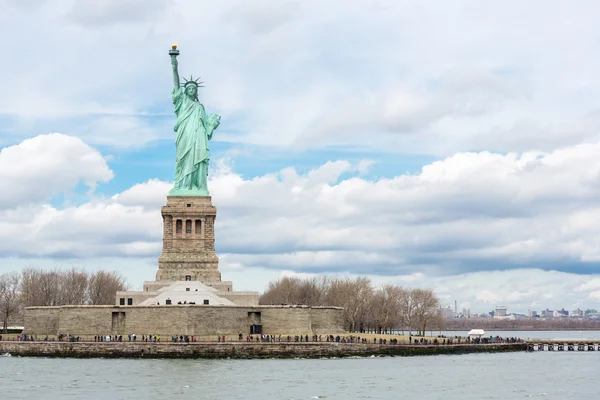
{"x":366,"y":308}
{"x":57,"y":287}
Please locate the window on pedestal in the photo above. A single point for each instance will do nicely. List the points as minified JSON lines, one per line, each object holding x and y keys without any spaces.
{"x":130,"y":301}
{"x":206,"y":302}
{"x":178,"y":226}
{"x":188,"y":226}
{"x":198,"y":227}
{"x":121,"y":301}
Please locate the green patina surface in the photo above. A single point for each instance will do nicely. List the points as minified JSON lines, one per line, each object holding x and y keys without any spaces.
{"x":194,"y":128}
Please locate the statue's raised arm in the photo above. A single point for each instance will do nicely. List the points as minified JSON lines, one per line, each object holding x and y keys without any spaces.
{"x":174,"y":53}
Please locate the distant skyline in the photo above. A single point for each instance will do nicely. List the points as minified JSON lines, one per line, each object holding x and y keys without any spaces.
{"x":466,"y":306}
{"x":452,"y":145}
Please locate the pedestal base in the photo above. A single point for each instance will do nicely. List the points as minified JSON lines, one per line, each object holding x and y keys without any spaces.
{"x":188,"y":240}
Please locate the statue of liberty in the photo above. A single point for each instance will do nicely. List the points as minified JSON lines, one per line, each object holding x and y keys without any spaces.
{"x":194,"y":129}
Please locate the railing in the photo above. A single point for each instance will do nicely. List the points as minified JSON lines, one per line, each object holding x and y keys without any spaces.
{"x":563,"y":347}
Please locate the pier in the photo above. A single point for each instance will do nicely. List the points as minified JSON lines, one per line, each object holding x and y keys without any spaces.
{"x":563,"y":346}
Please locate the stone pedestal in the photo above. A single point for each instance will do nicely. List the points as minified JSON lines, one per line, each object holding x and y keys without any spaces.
{"x":188,"y":240}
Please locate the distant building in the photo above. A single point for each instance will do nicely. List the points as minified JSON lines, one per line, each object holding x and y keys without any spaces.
{"x":590,"y":312}
{"x":578,"y":313}
{"x":500,"y":311}
{"x":547,"y":313}
{"x":560,"y":313}
{"x":532,"y":314}
{"x":448,"y":312}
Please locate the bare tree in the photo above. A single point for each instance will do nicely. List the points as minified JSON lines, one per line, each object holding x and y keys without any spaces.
{"x":385,"y":306}
{"x":383,"y":309}
{"x":354,"y":295}
{"x":427,"y":308}
{"x":103,"y":286}
{"x":59,"y":287}
{"x":407,"y":309}
{"x":41,"y":288}
{"x":10,"y":297}
{"x":73,"y":286}
{"x":29,"y":290}
{"x":282,"y":291}
{"x":53,"y":287}
{"x":312,"y":291}
{"x":293,"y":290}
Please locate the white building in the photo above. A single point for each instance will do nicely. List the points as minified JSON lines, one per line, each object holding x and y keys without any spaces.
{"x":186,"y":292}
{"x":476,"y":333}
{"x":500,"y":311}
{"x":577,"y":313}
{"x":559,"y":313}
{"x":448,"y":312}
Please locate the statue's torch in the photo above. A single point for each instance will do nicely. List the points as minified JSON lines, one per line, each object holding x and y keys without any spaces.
{"x":174,"y":51}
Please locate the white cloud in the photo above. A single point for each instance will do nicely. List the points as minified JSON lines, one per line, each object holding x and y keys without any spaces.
{"x":453,"y":226}
{"x":149,"y":194}
{"x":311,"y":74}
{"x":487,"y":297}
{"x":47,"y":165}
{"x":590,"y":285}
{"x":595,"y":295}
{"x":352,"y":75}
{"x":109,"y":12}
{"x":471,"y":211}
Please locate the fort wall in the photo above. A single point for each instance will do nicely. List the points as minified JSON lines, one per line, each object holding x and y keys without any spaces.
{"x":327,"y":320}
{"x":241,"y":298}
{"x":193,"y":320}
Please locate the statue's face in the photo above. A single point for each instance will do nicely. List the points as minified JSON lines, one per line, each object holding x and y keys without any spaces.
{"x":191,"y":90}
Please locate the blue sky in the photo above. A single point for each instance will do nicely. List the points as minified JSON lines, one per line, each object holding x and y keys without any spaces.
{"x":155,"y":160}
{"x":451,"y":145}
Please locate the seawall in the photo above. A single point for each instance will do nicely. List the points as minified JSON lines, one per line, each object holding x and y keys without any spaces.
{"x":241,"y":350}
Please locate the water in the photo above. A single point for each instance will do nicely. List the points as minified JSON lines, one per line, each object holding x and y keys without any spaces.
{"x":565,"y":375}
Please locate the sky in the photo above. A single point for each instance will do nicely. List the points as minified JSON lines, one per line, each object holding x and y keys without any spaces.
{"x":452,"y":145}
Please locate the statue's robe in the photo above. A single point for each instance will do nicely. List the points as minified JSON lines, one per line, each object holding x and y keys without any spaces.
{"x":194,"y":129}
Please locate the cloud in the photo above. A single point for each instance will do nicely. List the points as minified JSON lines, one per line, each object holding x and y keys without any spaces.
{"x":263,"y":16}
{"x":90,"y":12}
{"x":515,"y":132}
{"x":482,"y":225}
{"x":468,"y":212}
{"x":149,"y":194}
{"x":46,"y":165}
{"x":306,"y":75}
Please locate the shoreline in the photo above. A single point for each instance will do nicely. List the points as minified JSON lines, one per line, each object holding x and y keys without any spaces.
{"x":241,"y":350}
{"x":526,"y":330}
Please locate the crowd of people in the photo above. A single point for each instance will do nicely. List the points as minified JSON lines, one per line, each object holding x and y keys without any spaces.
{"x":440,"y":340}
{"x":478,"y":340}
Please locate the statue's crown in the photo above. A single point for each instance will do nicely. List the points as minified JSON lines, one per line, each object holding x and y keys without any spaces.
{"x":192,"y":81}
